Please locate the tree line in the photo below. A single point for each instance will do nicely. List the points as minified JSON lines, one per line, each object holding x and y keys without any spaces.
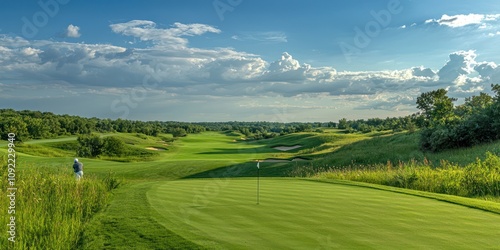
{"x":410,"y":123}
{"x":27,"y":125}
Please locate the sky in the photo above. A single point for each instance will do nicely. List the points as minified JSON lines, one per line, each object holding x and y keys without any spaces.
{"x":243,"y":60}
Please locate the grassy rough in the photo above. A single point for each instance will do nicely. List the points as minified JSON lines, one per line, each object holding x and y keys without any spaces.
{"x":51,"y":206}
{"x":478,"y":179}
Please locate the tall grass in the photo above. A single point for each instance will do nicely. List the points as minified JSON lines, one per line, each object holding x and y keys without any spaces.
{"x":478,"y":179}
{"x":51,"y":206}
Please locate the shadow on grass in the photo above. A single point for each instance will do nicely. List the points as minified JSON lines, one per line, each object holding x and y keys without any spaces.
{"x":230,"y":151}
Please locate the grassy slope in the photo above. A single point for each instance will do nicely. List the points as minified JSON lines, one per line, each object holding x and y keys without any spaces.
{"x":376,"y":148}
{"x":130,"y":220}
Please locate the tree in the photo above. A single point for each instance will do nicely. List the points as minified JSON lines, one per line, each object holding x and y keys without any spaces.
{"x":437,"y":106}
{"x":14,"y":125}
{"x":342,"y":124}
{"x":37,"y":128}
{"x":178,"y":132}
{"x":89,"y":145}
{"x":113,"y":146}
{"x":474,"y":104}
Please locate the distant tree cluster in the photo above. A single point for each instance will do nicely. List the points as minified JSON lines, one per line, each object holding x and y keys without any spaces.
{"x":263,"y":130}
{"x":29,"y":125}
{"x":449,"y":126}
{"x":410,"y":123}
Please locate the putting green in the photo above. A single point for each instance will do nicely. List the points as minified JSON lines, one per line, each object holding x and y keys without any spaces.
{"x":298,"y":214}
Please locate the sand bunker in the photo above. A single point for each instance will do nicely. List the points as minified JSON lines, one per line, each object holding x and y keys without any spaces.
{"x":275,"y":160}
{"x":285,"y":148}
{"x":299,"y":159}
{"x":284,"y":160}
{"x":155,"y":149}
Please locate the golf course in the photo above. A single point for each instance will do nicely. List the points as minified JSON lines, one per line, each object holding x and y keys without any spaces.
{"x":201,"y":191}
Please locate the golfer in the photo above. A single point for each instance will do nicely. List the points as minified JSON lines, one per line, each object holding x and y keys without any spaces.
{"x":78,"y":168}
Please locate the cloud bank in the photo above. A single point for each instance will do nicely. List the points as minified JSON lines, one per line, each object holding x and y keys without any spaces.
{"x":168,"y":68}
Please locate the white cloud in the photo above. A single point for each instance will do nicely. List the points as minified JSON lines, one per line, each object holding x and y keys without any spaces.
{"x":286,"y":64}
{"x":460,"y":63}
{"x":31,"y":51}
{"x":263,"y":37}
{"x":73,"y":31}
{"x":492,"y":34}
{"x":489,"y":71}
{"x":423,"y":72}
{"x":147,"y":31}
{"x":456,"y":21}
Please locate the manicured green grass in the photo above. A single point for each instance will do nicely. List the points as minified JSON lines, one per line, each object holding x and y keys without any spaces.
{"x":222,"y":213}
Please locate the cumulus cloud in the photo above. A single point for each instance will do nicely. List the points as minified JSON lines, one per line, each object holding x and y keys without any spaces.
{"x":287,"y":69}
{"x":31,"y":51}
{"x":456,"y":21}
{"x":489,"y":71}
{"x":73,"y":31}
{"x":460,"y":63}
{"x":423,"y":72}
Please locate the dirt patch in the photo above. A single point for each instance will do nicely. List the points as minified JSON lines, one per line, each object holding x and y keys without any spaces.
{"x":285,"y":148}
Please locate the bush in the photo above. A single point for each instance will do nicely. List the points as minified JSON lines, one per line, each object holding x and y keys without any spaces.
{"x":89,"y":145}
{"x":93,"y":146}
{"x":113,"y":146}
{"x":178,"y":132}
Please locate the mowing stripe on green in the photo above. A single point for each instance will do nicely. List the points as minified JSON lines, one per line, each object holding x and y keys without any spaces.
{"x":296,"y":214}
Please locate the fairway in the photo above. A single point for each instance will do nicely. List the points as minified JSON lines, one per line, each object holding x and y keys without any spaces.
{"x":300,"y":214}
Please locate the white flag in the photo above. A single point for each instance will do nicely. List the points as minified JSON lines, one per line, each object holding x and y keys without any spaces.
{"x":258,"y":164}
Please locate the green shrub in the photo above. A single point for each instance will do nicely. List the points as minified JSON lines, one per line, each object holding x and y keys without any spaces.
{"x":113,"y":146}
{"x":89,"y":145}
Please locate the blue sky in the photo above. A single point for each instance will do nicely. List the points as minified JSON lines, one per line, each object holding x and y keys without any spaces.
{"x":243,"y":60}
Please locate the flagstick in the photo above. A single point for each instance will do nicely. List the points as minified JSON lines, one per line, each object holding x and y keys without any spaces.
{"x":258,"y":182}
